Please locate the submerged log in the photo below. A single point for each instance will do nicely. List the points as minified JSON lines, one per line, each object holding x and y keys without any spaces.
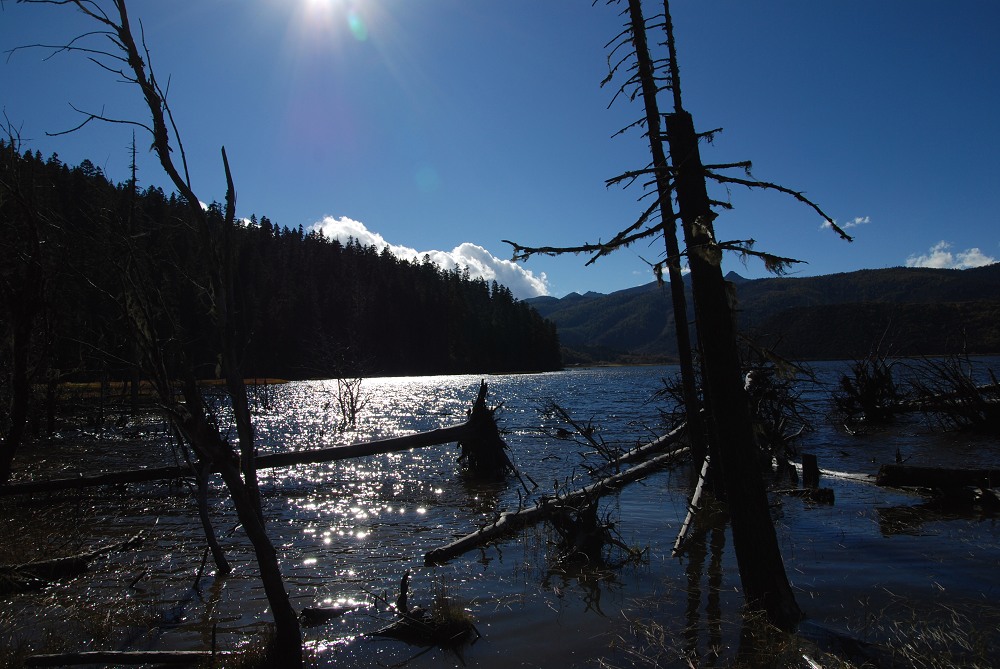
{"x":37,"y":575}
{"x":112,"y":657}
{"x":40,"y":573}
{"x":910,"y":476}
{"x":813,"y":495}
{"x":317,"y":615}
{"x":510,"y":521}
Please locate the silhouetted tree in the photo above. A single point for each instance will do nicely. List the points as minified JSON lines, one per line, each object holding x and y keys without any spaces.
{"x":124,"y":59}
{"x":683,"y":177}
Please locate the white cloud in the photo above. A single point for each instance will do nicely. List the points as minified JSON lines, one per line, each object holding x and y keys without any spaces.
{"x":941,"y":257}
{"x":855,"y":222}
{"x":481,"y":263}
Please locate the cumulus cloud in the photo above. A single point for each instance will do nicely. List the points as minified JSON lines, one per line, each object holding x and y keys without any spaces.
{"x":481,"y":263}
{"x":855,"y":222}
{"x":941,"y":257}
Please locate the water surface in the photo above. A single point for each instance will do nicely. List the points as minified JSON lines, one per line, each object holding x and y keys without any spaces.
{"x":347,"y":531}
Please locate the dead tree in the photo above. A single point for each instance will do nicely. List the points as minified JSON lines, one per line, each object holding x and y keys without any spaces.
{"x":130,"y":64}
{"x":684,"y":177}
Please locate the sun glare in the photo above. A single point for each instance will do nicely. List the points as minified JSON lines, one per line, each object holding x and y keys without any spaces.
{"x":324,"y":15}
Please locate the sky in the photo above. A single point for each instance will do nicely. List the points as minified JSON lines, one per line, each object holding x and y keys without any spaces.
{"x":444,"y":127}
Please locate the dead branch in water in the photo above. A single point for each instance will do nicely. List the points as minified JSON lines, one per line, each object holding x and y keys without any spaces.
{"x":38,"y":574}
{"x":511,"y":521}
{"x":116,"y":657}
{"x":483,"y":449}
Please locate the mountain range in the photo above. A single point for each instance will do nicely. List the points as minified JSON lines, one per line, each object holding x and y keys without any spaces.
{"x":898,"y":311}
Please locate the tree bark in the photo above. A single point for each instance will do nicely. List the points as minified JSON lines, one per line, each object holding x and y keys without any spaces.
{"x":664,"y":192}
{"x":762,"y":572}
{"x":211,"y":448}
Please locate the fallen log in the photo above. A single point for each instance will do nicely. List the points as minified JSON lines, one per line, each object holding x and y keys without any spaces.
{"x":911,"y":476}
{"x":510,"y":521}
{"x":693,"y":506}
{"x":455,"y":433}
{"x":38,"y":574}
{"x":642,"y":452}
{"x":478,"y":436}
{"x":113,"y":657}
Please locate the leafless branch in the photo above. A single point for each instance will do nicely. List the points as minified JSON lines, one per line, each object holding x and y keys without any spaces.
{"x":752,"y":183}
{"x":525,"y":252}
{"x":774,"y":264}
{"x":744,"y":165}
{"x":639,"y":123}
{"x":89,"y":116}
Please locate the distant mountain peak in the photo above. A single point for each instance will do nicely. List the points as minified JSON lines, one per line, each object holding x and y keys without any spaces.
{"x":733,"y":277}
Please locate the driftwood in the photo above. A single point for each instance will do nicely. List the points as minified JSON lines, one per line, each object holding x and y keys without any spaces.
{"x":693,"y":506}
{"x":909,"y":476}
{"x":510,"y":521}
{"x":111,"y":657}
{"x":482,"y":447}
{"x":38,"y":574}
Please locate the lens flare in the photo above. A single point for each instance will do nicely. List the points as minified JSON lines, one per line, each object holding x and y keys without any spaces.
{"x":357,"y":26}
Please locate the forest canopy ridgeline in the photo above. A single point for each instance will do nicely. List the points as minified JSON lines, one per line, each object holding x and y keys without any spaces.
{"x":312,"y":307}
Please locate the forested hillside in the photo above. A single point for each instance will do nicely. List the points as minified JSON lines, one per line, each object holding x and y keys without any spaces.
{"x":76,"y":251}
{"x":905,"y":311}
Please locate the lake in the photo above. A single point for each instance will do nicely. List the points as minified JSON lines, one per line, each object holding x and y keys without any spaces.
{"x":870,"y":565}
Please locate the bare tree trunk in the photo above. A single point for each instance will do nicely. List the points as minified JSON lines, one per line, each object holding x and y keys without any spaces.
{"x":222,"y":277}
{"x":664,"y":190}
{"x":730,"y":428}
{"x":218,"y":555}
{"x":212,"y":448}
{"x":762,"y":572}
{"x":191,"y":416}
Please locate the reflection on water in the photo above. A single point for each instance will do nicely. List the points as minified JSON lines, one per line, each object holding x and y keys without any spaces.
{"x":705,"y":544}
{"x":347,"y":531}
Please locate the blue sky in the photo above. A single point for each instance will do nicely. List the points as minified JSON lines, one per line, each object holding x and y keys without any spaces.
{"x":445,"y":126}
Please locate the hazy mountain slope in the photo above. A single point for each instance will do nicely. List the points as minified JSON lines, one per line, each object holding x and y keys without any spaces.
{"x":911,"y":311}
